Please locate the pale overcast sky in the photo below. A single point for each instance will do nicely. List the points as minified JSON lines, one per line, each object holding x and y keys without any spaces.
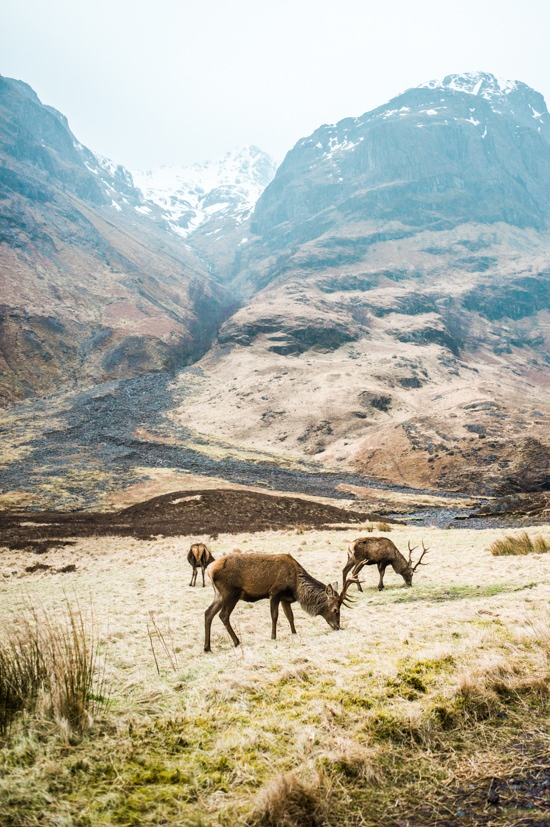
{"x":153,"y":82}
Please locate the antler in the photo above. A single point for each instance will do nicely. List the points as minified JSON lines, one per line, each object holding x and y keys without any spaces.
{"x":424,"y":550}
{"x":352,"y":579}
{"x":411,"y":551}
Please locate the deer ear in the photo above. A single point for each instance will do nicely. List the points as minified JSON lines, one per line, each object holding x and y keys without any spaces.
{"x":330,"y":590}
{"x":335,"y":587}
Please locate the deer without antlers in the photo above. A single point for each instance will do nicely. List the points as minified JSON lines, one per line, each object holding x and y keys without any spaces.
{"x":198,"y":557}
{"x":280,"y":578}
{"x":382,"y":552}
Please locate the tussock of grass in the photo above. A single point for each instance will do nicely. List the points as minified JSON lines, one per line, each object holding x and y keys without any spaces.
{"x":370,"y":527}
{"x":519,"y":544}
{"x":48,"y":665}
{"x":287,"y":802}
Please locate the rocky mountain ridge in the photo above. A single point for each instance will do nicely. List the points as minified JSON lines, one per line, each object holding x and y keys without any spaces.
{"x":92,"y":290}
{"x":434,"y":157}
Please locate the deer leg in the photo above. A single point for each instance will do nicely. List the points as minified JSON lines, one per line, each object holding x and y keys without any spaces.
{"x":202,"y":570}
{"x":381,"y":569}
{"x":287,"y":609}
{"x":193,"y":576}
{"x":229,"y":603}
{"x":209,"y":616}
{"x":274,"y":608}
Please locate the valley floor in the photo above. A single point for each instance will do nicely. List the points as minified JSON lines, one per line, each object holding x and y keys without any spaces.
{"x":430,"y":707}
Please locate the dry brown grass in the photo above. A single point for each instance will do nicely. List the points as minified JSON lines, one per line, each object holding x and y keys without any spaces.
{"x":521,"y":543}
{"x":432,"y":683}
{"x":48,"y":666}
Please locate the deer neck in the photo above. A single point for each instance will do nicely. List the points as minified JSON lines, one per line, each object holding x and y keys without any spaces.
{"x":310,"y":593}
{"x":400,"y":564}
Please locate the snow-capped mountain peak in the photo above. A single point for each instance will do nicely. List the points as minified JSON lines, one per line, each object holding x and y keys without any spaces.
{"x":504,"y":96}
{"x":475,"y":83}
{"x":190,"y":196}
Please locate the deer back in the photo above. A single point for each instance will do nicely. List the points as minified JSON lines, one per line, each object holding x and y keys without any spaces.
{"x":255,"y":575}
{"x":375,"y":550}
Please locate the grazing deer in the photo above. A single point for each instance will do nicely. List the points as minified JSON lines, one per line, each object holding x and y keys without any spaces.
{"x":381,"y":550}
{"x":280,"y":578}
{"x":199,"y":556}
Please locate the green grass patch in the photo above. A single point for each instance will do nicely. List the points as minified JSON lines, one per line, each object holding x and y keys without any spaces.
{"x":439,"y":594}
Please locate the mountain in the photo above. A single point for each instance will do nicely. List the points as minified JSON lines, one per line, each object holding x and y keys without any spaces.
{"x":397,"y":283}
{"x":93,"y":287}
{"x":208,"y":203}
{"x":209,"y":192}
{"x":467,"y":149}
{"x":384,"y":310}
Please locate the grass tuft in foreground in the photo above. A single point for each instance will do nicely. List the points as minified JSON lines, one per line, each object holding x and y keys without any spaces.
{"x":288,"y":802}
{"x":48,"y":666}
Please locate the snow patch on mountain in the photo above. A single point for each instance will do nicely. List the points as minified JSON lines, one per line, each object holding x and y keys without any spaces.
{"x":191,"y":196}
{"x":504,"y":96}
{"x":475,"y":83}
{"x":473,"y":98}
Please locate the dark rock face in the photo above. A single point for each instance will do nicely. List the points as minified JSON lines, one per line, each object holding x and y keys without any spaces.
{"x":435,"y":156}
{"x":289,"y":335}
{"x":519,"y":298}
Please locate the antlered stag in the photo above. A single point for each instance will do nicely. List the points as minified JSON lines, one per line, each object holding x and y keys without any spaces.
{"x":382,"y":552}
{"x":199,"y":556}
{"x":280,"y":578}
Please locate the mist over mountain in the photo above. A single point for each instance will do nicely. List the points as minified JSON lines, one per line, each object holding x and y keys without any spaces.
{"x":379,"y":302}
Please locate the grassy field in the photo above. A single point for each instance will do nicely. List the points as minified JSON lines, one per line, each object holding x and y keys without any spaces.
{"x":430,"y":707}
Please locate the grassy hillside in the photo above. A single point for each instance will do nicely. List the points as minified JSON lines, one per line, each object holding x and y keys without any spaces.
{"x":429,"y":707}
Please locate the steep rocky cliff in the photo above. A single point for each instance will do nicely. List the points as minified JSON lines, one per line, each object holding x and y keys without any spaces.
{"x":468,"y":149}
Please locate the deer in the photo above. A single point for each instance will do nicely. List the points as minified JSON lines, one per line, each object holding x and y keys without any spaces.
{"x":382,"y":552}
{"x":199,"y":556}
{"x":279,"y":577}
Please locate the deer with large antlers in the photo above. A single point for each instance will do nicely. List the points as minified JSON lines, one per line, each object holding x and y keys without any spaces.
{"x":280,"y":578}
{"x":382,"y":552}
